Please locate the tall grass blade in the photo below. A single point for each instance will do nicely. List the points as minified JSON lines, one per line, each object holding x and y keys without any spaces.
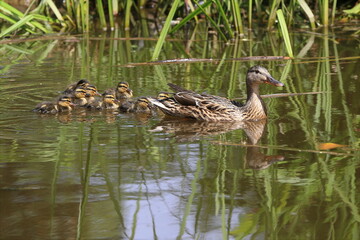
{"x":10,"y":9}
{"x":333,"y":12}
{"x":112,"y":13}
{"x":224,"y":17}
{"x":212,"y":22}
{"x":17,"y":25}
{"x":308,"y":13}
{"x":237,"y":16}
{"x":7,"y":18}
{"x":127,"y":14}
{"x":284,"y":32}
{"x":55,"y":10}
{"x":324,"y":5}
{"x":114,"y":8}
{"x":69,"y":9}
{"x":250,"y":13}
{"x":100,"y":10}
{"x":272,"y":17}
{"x":190,"y":16}
{"x":165,"y":30}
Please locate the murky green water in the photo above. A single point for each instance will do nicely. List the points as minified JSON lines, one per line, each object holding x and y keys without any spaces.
{"x":97,"y":175}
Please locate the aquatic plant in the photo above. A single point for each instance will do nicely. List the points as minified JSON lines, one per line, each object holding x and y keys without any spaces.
{"x":226,"y":18}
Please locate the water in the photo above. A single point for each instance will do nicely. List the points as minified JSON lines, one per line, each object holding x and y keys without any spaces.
{"x":101,"y":175}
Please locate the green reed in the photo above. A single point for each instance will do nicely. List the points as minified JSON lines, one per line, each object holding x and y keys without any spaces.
{"x":227,"y":14}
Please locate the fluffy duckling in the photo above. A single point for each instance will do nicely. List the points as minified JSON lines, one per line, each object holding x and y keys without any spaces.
{"x":163,"y":96}
{"x":91,"y":92}
{"x":63,"y":104}
{"x":141,"y":105}
{"x":123,"y":91}
{"x":71,"y":88}
{"x":109,"y":100}
{"x":79,"y":96}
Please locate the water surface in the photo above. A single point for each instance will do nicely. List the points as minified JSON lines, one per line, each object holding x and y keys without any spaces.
{"x":104,"y":175}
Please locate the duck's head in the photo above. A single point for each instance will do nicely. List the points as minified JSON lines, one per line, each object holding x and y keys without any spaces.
{"x":163,"y":96}
{"x":82,"y":83}
{"x":80,"y":92}
{"x":123,"y":88}
{"x":109,"y":98}
{"x":143,"y":103}
{"x":257,"y":75}
{"x":91,"y":91}
{"x":65,"y":102}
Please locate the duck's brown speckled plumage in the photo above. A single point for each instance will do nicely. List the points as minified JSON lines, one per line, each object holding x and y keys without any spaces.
{"x":206,"y":107}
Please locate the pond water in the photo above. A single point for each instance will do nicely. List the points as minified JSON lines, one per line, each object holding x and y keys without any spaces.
{"x":105,"y":175}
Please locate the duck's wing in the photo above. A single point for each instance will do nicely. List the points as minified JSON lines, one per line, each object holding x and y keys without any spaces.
{"x":178,"y":88}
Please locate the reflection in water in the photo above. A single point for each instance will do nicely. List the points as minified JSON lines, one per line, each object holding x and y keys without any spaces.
{"x":186,"y":130}
{"x":77,"y":175}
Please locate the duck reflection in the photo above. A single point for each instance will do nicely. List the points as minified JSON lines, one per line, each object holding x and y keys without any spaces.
{"x":189,"y":130}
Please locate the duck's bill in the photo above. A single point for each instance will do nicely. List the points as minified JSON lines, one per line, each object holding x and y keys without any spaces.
{"x":274,"y":82}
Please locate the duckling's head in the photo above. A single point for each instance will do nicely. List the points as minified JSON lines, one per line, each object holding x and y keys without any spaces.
{"x":65,"y":102}
{"x":257,"y":75}
{"x":82,"y":83}
{"x":91,"y":91}
{"x":109,"y":98}
{"x":80,"y":92}
{"x":163,"y":96}
{"x":143,"y":103}
{"x":123,"y":88}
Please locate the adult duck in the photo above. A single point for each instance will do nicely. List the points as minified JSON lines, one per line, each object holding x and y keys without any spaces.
{"x":205,"y":107}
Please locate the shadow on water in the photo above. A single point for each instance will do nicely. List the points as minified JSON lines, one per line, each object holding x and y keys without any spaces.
{"x":94,"y":174}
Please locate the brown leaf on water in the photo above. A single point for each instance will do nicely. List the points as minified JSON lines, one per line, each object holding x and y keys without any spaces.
{"x":328,"y":146}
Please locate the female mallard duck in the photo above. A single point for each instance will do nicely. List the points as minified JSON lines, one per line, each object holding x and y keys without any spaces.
{"x":71,"y":88}
{"x":205,"y":107}
{"x":63,"y":104}
{"x":109,"y":100}
{"x":123,"y":91}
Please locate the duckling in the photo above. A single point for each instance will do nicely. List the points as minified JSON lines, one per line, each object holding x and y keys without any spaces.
{"x":141,"y":105}
{"x":109,"y":100}
{"x":123,"y":91}
{"x":206,"y":107}
{"x":91,"y":92}
{"x":71,"y":88}
{"x":63,"y":104}
{"x":79,"y":96}
{"x":163,"y":96}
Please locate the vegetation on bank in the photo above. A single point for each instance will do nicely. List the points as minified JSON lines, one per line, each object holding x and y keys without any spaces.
{"x":228,"y":18}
